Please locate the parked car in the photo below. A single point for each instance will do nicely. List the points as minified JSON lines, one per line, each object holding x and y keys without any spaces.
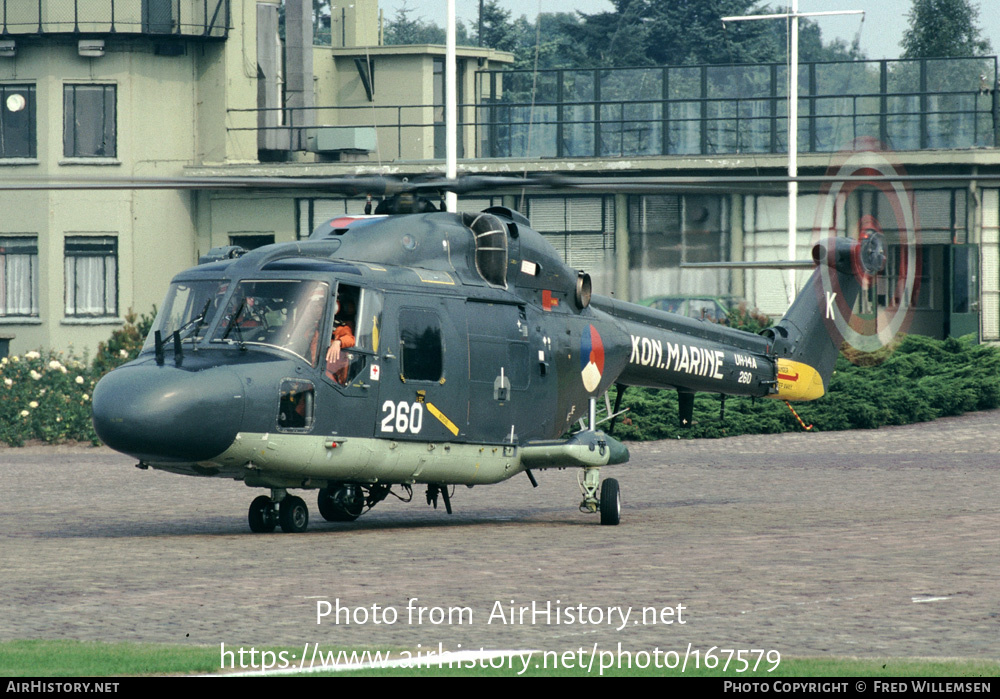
{"x":714,"y":308}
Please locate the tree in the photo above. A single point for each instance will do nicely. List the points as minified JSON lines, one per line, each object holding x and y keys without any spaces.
{"x":676,"y":32}
{"x":498,"y":30}
{"x":405,"y":29}
{"x":557,"y":46}
{"x":943,"y":28}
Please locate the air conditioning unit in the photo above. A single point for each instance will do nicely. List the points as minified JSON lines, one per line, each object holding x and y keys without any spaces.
{"x":341,"y":139}
{"x":8,"y":49}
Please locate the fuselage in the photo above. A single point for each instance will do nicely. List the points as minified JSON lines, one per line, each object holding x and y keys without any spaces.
{"x":460,"y":356}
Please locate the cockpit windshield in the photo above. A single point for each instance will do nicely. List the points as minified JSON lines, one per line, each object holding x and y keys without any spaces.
{"x":283,"y":314}
{"x":187,"y":310}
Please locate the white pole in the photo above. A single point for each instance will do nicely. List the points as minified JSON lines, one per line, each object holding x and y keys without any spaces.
{"x":793,"y":147}
{"x":451,"y":110}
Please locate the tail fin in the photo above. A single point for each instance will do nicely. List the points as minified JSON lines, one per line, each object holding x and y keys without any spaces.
{"x":805,"y":340}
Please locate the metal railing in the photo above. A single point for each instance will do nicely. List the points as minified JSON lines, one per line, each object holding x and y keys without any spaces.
{"x":183,"y":18}
{"x":404,"y":132}
{"x":699,"y":110}
{"x":731,"y":126}
{"x":709,"y":110}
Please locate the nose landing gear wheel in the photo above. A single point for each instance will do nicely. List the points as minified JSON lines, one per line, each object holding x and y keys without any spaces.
{"x":262,"y":516}
{"x":611,"y":502}
{"x":293,"y":515}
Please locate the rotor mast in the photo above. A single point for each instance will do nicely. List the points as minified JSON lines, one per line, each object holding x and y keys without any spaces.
{"x":793,"y":117}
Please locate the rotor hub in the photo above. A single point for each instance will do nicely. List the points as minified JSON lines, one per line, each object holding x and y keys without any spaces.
{"x":871,"y":252}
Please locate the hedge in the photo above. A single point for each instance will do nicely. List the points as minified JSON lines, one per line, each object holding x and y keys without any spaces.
{"x":46,"y":395}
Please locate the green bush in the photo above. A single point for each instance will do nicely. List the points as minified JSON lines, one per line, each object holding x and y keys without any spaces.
{"x":124,"y":343}
{"x":751,"y":320}
{"x":46,"y":395}
{"x":922,"y":379}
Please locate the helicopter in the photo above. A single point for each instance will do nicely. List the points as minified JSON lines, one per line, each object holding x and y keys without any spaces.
{"x":395,"y":349}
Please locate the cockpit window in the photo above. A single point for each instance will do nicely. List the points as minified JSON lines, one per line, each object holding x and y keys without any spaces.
{"x":283,"y":314}
{"x":189,"y":308}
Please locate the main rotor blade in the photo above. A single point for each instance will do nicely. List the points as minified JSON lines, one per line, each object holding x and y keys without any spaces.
{"x":387,"y":185}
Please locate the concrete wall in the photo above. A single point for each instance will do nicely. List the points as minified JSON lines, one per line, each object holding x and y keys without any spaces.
{"x":403,"y":76}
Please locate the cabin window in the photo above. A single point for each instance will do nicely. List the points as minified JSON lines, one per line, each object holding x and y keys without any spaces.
{"x":189,"y":308}
{"x":286,"y":314}
{"x":422,"y":347}
{"x":296,"y":406}
{"x":369,"y":322}
{"x":357,"y":324}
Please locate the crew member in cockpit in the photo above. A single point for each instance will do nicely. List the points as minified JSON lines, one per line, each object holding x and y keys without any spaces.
{"x":338,"y":361}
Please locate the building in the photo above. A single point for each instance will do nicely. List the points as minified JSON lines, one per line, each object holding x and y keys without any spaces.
{"x":107,"y":90}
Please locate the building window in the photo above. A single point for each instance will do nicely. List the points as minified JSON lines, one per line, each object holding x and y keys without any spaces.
{"x":89,"y":121}
{"x":251,"y":241}
{"x":18,"y":276}
{"x":17,"y":121}
{"x":91,"y":276}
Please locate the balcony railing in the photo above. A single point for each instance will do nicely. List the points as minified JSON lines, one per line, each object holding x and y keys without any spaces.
{"x":711,"y":110}
{"x":183,"y":18}
{"x":699,"y":110}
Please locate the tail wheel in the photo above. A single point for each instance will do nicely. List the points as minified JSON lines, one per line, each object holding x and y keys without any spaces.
{"x":262,"y":516}
{"x":611,"y":502}
{"x":293,"y":515}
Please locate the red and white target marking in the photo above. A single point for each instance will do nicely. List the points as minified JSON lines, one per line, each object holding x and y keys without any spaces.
{"x":869,"y":160}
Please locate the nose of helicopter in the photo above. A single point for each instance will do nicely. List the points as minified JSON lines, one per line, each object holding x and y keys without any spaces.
{"x":167,"y":414}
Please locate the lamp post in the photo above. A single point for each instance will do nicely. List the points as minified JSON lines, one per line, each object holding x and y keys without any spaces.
{"x":793,"y":118}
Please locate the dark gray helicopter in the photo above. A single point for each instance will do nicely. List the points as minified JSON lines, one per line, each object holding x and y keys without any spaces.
{"x":430,"y":348}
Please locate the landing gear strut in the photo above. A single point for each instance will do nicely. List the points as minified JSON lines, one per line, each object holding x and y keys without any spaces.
{"x":609,"y":503}
{"x":433,"y":489}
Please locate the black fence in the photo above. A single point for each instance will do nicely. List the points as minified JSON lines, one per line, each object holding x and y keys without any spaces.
{"x":678,"y":110}
{"x":709,"y":110}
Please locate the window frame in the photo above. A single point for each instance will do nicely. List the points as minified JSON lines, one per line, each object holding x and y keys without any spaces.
{"x":72,"y":125}
{"x":28,"y":90}
{"x":79,"y":247}
{"x":30,"y":243}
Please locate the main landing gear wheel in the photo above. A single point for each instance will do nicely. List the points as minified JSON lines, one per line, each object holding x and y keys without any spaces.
{"x":293,"y":515}
{"x":262,"y":516}
{"x":611,"y":502}
{"x":608,"y":503}
{"x":341,"y":503}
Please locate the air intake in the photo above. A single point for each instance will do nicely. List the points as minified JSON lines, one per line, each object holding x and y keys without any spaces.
{"x":491,"y":247}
